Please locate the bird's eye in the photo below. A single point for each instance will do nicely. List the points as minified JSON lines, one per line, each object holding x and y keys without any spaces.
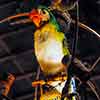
{"x":44,"y":12}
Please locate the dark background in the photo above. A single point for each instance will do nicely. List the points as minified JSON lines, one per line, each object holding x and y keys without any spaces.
{"x":16,"y":45}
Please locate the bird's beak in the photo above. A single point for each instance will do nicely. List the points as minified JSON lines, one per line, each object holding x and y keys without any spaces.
{"x":36,"y":17}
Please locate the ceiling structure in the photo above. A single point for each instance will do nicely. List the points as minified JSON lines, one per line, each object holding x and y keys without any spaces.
{"x":17,"y":50}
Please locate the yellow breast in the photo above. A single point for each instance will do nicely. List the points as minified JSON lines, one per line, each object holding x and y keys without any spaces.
{"x":48,"y":50}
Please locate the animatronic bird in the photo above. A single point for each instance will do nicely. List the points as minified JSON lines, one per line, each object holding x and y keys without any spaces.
{"x":50,"y":49}
{"x":49,"y":43}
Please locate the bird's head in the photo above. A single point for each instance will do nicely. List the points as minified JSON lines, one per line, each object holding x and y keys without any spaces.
{"x":39,"y":16}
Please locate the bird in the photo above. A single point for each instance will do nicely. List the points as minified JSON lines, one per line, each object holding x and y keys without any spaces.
{"x":50,"y":44}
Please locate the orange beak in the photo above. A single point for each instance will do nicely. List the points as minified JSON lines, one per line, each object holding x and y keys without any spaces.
{"x":35,"y":17}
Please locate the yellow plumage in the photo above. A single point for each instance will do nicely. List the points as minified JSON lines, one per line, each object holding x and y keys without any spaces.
{"x":49,"y":49}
